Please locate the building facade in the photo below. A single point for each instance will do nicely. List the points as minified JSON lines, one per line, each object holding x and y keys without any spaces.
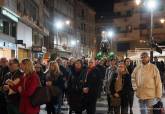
{"x":132,"y":25}
{"x":28,"y":28}
{"x":8,"y":28}
{"x":85,"y":28}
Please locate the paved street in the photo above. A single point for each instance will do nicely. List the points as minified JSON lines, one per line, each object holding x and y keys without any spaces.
{"x":102,"y":107}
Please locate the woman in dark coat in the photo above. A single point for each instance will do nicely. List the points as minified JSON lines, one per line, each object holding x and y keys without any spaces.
{"x":130,"y":69}
{"x":120,"y":88}
{"x":55,"y":83}
{"x":74,"y":91}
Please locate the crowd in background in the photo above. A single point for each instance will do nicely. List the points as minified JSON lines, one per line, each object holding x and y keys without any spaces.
{"x":80,"y":81}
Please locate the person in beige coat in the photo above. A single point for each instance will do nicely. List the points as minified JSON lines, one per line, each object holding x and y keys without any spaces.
{"x":147,"y":84}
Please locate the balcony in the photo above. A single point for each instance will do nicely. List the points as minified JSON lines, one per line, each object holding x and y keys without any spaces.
{"x":34,"y":24}
{"x":128,"y":36}
{"x":128,"y":13}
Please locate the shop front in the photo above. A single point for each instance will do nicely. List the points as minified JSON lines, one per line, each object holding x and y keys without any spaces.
{"x":8,"y":26}
{"x":24,"y":33}
{"x":23,"y":53}
{"x":7,"y":49}
{"x":38,"y":52}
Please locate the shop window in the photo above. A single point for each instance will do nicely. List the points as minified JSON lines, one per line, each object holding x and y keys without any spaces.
{"x":13,"y":30}
{"x":5,"y":27}
{"x":1,"y":26}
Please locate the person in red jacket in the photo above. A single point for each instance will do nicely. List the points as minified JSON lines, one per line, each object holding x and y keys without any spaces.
{"x":27,"y":86}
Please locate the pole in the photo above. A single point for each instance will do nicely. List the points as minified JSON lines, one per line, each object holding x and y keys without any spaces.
{"x":151,"y":29}
{"x":151,"y":36}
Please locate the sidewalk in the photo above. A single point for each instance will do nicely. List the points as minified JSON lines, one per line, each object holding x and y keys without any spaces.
{"x":101,"y":107}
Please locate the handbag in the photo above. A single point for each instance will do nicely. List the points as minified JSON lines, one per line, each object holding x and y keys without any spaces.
{"x":40,"y":96}
{"x":54,"y":91}
{"x":158,"y":108}
{"x":115,"y":101}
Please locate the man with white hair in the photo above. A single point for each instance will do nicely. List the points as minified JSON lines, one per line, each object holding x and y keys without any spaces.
{"x":147,"y":84}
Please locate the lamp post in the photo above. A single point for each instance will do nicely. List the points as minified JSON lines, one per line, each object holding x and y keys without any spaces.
{"x":151,"y":5}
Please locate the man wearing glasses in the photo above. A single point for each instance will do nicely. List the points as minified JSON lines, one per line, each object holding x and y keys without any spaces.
{"x":147,"y":84}
{"x":12,"y":78}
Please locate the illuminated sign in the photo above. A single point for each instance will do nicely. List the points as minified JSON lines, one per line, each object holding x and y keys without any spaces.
{"x":9,"y":14}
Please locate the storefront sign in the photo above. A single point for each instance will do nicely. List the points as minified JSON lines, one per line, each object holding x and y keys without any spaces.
{"x":10,"y":14}
{"x":37,"y":49}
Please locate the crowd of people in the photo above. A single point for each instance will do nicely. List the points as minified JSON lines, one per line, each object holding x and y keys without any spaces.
{"x":81,"y":82}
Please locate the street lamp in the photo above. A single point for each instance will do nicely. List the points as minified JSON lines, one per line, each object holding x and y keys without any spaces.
{"x":73,"y":43}
{"x":59,"y":25}
{"x":162,"y":20}
{"x":67,"y":22}
{"x":151,"y":5}
{"x":138,"y":2}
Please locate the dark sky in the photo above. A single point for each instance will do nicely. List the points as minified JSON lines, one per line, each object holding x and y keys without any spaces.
{"x":102,"y":7}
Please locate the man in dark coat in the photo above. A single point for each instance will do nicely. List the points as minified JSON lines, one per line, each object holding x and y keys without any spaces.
{"x":90,"y":87}
{"x":12,"y":97}
{"x":3,"y":71}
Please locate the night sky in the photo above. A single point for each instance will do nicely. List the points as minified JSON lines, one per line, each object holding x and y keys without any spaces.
{"x":102,"y":7}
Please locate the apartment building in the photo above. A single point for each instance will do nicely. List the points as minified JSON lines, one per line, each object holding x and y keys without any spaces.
{"x":85,"y":28}
{"x":132,"y":25}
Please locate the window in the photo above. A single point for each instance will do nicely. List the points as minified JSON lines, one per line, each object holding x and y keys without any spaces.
{"x":82,"y":13}
{"x":1,"y":26}
{"x":32,"y":9}
{"x":6,"y":27}
{"x":129,"y":28}
{"x":13,"y":29}
{"x":123,"y":46}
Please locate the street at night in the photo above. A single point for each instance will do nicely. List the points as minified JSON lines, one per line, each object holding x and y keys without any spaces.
{"x":82,"y":56}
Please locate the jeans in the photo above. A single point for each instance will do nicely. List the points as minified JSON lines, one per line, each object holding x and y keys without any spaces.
{"x":54,"y":106}
{"x":146,"y":106}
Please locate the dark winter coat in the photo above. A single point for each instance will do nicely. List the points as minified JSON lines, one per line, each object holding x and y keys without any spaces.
{"x":74,"y":90}
{"x":91,"y":80}
{"x":13,"y":98}
{"x":126,"y":88}
{"x":58,"y":82}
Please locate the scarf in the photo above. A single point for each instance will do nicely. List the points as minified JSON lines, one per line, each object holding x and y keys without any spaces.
{"x":118,"y":83}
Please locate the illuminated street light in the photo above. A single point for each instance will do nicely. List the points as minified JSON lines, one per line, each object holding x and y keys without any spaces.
{"x":59,"y":24}
{"x":73,"y":43}
{"x":138,"y":2}
{"x":67,"y":22}
{"x":110,"y":34}
{"x":162,"y":20}
{"x":151,"y":4}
